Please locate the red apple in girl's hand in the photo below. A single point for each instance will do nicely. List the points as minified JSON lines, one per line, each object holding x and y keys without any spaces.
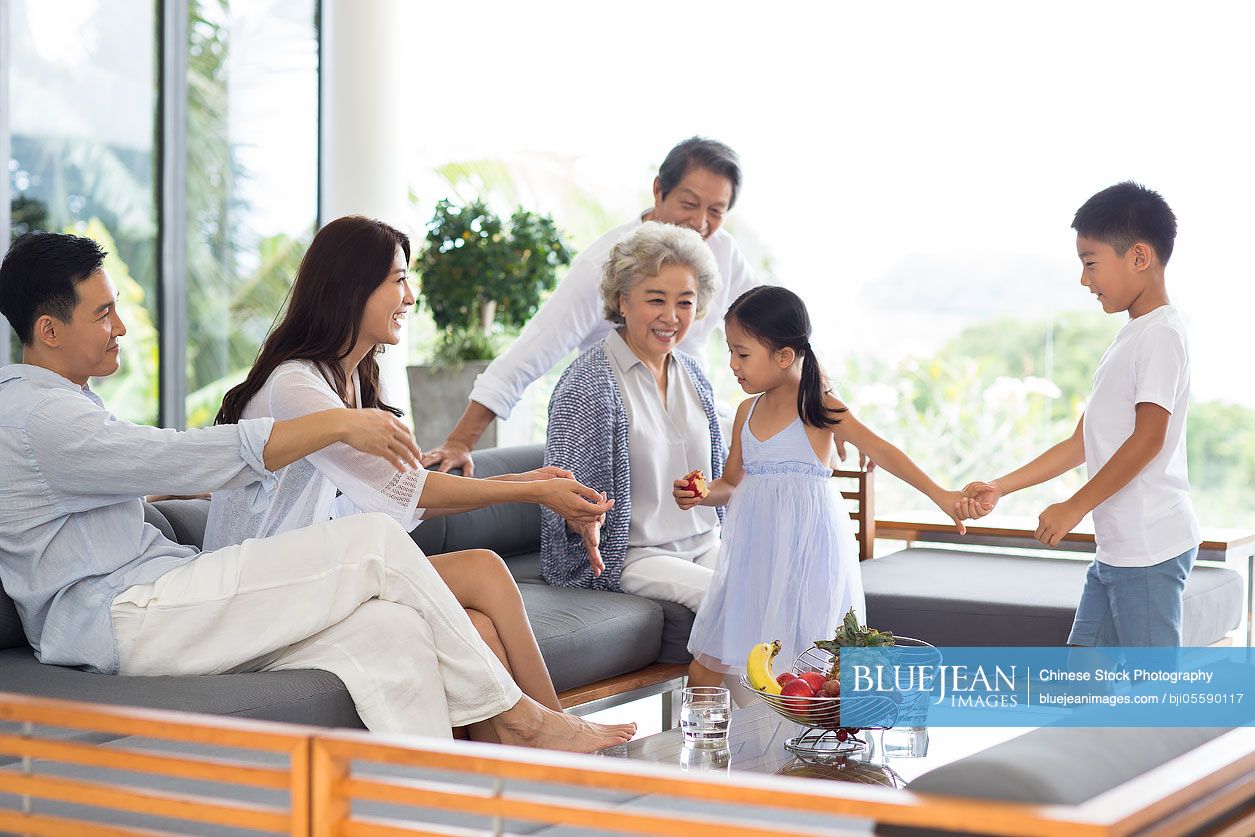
{"x":813,"y":679}
{"x":695,"y":481}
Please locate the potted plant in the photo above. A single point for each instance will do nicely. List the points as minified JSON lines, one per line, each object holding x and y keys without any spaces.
{"x":482,"y":278}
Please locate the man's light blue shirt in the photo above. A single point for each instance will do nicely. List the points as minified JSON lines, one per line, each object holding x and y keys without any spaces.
{"x":72,"y":530}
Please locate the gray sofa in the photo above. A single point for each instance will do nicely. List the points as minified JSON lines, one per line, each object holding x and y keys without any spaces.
{"x":947,"y":597}
{"x":584,"y":635}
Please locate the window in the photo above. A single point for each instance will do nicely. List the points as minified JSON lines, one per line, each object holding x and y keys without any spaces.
{"x":82,"y":121}
{"x":82,"y":126}
{"x":252,"y":181}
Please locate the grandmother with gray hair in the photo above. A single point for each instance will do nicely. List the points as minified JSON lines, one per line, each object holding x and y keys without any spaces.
{"x":631,"y":415}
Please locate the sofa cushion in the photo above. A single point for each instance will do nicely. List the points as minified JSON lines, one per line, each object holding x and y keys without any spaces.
{"x":510,"y":529}
{"x":187,"y":519}
{"x":430,"y":536}
{"x":588,"y":635}
{"x":1054,"y":766}
{"x":11,"y":633}
{"x":677,"y":624}
{"x":677,"y":620}
{"x":1062,"y":765}
{"x":300,"y":697}
{"x":154,"y":517}
{"x":958,"y":598}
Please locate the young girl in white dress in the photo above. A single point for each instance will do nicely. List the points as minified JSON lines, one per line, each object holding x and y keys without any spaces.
{"x":788,"y":567}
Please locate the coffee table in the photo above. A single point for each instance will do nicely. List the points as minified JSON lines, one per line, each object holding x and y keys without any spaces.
{"x":756,"y":745}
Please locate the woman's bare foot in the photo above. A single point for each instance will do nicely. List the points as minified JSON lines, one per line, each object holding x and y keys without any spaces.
{"x":528,"y":724}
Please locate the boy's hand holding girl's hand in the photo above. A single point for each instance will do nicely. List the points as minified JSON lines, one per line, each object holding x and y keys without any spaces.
{"x":978,"y":499}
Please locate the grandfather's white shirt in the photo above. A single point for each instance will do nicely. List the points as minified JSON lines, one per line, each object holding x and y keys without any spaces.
{"x":1151,"y":519}
{"x":573,"y":318}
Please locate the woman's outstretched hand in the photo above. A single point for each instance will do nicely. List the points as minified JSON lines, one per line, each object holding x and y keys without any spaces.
{"x":574,"y":502}
{"x":381,"y":434}
{"x":545,"y":473}
{"x":590,"y":533}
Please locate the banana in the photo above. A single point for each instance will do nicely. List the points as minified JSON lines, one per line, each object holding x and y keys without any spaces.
{"x":758,"y":667}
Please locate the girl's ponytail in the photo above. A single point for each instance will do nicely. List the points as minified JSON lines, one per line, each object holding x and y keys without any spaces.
{"x":778,"y":318}
{"x":810,"y":394}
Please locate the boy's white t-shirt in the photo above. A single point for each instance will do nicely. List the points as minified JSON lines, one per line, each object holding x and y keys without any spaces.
{"x":1151,"y":519}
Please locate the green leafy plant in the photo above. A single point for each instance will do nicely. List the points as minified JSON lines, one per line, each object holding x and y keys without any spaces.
{"x":481,"y":275}
{"x":853,"y":635}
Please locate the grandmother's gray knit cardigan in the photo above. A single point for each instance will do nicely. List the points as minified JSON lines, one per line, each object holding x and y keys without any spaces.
{"x":588,"y":435}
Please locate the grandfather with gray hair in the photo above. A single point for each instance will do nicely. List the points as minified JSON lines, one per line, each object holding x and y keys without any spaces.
{"x":696,"y":187}
{"x":631,"y":415}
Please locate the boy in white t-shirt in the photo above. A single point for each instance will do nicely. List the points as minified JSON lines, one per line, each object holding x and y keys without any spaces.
{"x":1131,"y":437}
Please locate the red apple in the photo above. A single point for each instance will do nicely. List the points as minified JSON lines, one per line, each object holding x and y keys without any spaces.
{"x":813,"y":679}
{"x":796,"y":693}
{"x":797,"y":687}
{"x":695,"y":482}
{"x":832,"y":688}
{"x":784,"y":678}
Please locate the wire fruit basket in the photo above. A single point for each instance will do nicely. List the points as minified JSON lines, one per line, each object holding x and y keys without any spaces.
{"x":827,"y":735}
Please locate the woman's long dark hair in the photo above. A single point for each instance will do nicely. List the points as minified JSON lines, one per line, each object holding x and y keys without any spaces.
{"x":777,"y":317}
{"x":347,"y":260}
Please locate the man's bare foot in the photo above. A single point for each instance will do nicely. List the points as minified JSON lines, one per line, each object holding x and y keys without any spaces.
{"x":528,"y":724}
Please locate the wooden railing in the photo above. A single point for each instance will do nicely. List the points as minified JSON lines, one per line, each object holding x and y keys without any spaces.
{"x":329,"y":784}
{"x":141,"y":745}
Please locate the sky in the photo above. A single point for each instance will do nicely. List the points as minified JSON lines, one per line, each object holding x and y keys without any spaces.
{"x":882,"y":138}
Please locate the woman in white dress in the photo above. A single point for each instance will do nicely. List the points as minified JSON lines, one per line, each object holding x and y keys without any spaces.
{"x":350,"y":294}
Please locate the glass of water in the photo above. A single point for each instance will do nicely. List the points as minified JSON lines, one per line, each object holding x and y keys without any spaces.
{"x":705,"y":712}
{"x":705,"y":759}
{"x":905,"y":742}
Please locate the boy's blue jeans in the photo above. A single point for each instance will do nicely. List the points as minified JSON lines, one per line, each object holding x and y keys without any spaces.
{"x":1132,"y":606}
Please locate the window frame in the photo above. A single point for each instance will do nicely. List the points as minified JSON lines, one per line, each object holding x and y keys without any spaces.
{"x":6,"y":152}
{"x":170,"y":199}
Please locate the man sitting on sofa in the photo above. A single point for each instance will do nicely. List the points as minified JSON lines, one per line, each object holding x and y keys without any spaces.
{"x":97,"y":587}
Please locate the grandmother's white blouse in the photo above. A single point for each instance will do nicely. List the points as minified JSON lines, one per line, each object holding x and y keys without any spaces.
{"x":307,"y":490}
